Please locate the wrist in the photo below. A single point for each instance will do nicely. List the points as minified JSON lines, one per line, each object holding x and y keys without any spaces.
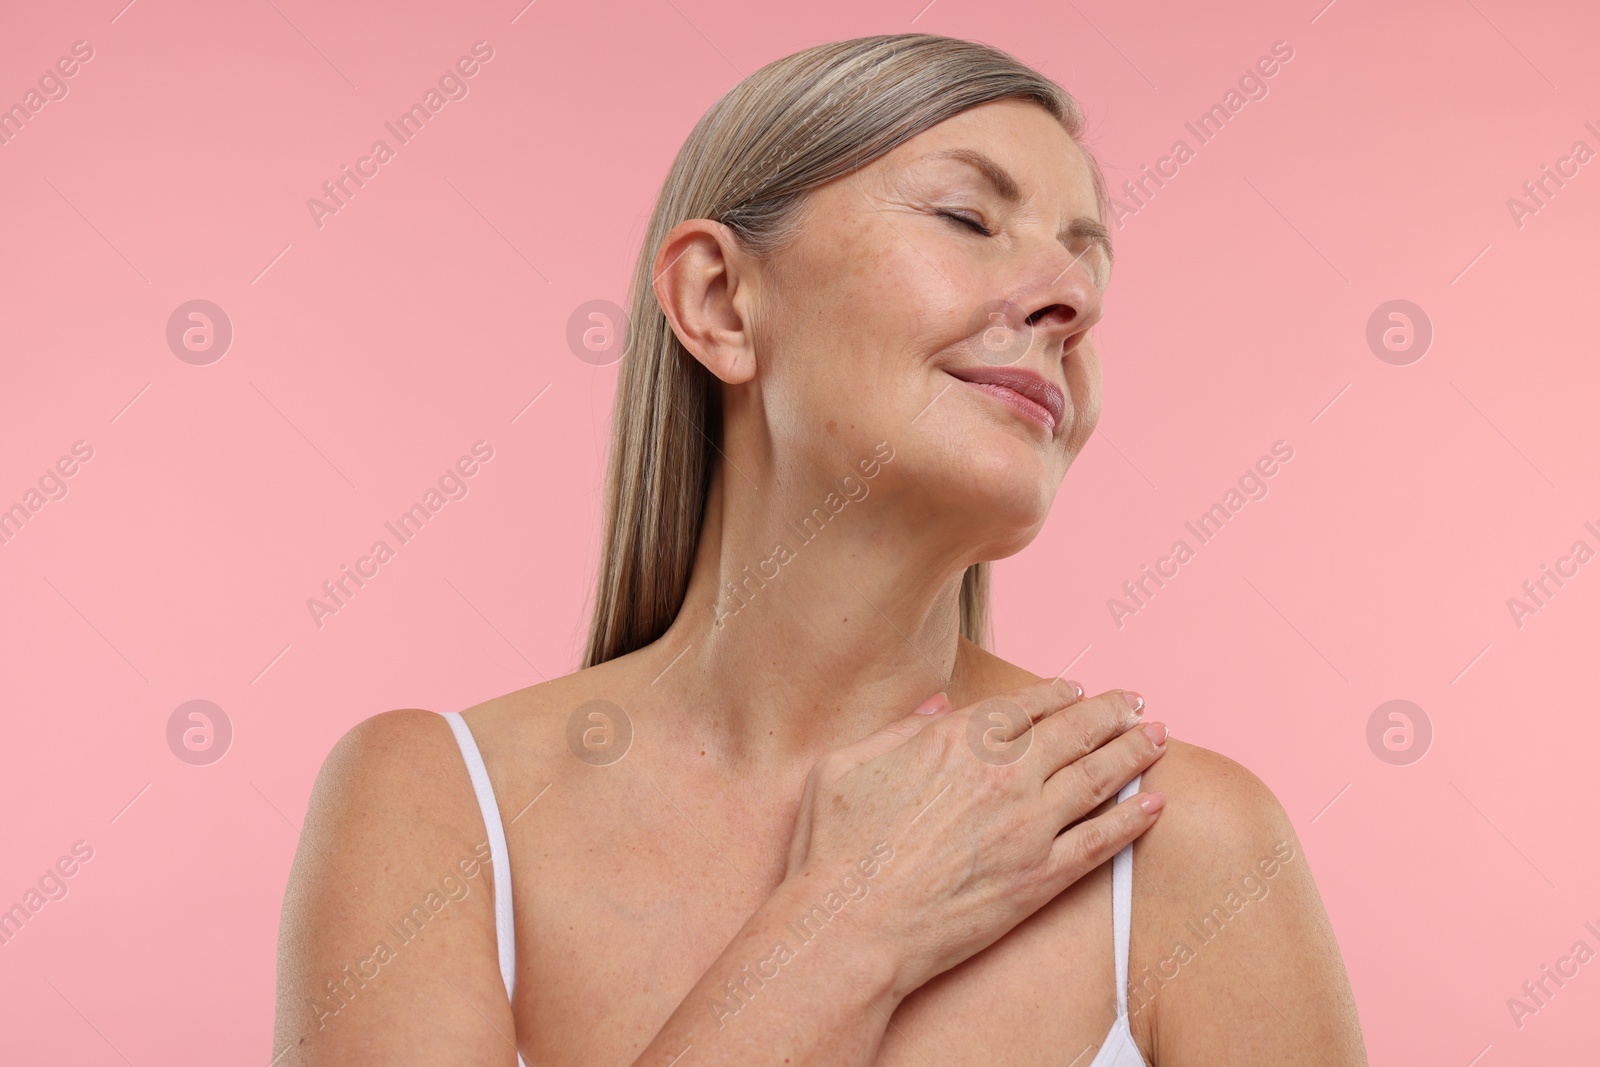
{"x":835,"y":917}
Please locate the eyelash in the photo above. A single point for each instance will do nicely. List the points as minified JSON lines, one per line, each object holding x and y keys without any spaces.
{"x":971,"y":224}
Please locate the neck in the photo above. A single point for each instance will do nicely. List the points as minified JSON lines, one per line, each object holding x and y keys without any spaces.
{"x":816,"y":613}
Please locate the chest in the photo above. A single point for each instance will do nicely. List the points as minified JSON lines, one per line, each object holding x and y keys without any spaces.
{"x":618,"y":919}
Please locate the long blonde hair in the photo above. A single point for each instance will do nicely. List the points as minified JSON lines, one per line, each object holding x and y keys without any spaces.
{"x":795,"y":124}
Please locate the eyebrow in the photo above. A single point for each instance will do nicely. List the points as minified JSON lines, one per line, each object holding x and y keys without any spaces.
{"x":1006,"y":188}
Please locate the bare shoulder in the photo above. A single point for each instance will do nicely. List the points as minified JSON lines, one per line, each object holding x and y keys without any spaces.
{"x":1232,"y":958}
{"x":1232,"y":954}
{"x":525,"y":733}
{"x":395,"y":783}
{"x":392,"y":866}
{"x":395,"y":755}
{"x":1219,"y":815}
{"x":541,"y":704}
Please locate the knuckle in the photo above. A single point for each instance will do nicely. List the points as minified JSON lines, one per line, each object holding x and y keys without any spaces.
{"x":1025,"y":697}
{"x":1062,"y":689}
{"x":1114,"y":707}
{"x":1038,"y":699}
{"x":1094,"y":842}
{"x":1100,"y":720}
{"x":1090,"y":781}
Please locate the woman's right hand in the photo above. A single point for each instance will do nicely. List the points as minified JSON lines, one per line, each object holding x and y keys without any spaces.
{"x":983,"y":808}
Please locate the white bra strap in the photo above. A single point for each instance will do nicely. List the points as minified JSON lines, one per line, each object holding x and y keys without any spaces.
{"x":1122,"y":904}
{"x":505,"y":931}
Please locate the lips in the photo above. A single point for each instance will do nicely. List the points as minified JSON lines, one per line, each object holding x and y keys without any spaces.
{"x":1030,"y":389}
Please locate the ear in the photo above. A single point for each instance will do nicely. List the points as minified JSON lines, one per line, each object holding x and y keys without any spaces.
{"x":697,"y":280}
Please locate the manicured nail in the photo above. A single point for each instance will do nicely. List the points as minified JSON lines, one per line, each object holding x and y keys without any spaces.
{"x":1156,"y":732}
{"x":933,"y":705}
{"x":1152,"y":802}
{"x":1076,"y":688}
{"x":1135,"y":701}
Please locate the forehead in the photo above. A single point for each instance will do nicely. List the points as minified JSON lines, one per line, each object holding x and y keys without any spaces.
{"x":1024,"y":139}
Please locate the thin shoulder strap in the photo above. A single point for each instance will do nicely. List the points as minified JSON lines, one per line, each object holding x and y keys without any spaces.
{"x":1122,"y":904}
{"x":505,"y":931}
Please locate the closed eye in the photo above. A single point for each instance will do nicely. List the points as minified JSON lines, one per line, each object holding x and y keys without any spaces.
{"x":970,"y":223}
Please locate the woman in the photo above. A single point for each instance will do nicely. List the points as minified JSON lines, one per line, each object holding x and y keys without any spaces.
{"x":791,"y":810}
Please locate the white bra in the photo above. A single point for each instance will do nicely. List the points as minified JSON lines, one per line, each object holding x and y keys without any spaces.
{"x":1118,"y":1049}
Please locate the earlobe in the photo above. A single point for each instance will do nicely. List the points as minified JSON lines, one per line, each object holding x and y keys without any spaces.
{"x":697,"y":279}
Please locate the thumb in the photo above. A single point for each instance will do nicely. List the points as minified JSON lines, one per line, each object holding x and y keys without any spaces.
{"x":900,"y":731}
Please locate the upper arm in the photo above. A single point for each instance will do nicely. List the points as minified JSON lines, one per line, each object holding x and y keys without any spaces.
{"x":387,"y":950}
{"x":1234,"y":960}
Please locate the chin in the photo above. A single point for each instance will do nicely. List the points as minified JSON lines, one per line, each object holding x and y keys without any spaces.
{"x":1007,"y":481}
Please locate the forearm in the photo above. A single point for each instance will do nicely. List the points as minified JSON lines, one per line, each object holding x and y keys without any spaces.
{"x":792,"y":987}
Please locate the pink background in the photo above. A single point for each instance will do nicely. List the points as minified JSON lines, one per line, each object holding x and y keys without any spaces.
{"x":424,"y":316}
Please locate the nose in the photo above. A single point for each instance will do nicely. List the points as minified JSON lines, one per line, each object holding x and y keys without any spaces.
{"x":1066,"y":300}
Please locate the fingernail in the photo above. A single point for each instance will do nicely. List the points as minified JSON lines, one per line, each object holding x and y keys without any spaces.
{"x":933,"y":705}
{"x":1152,"y":802}
{"x":1076,"y":688}
{"x":1156,"y":732}
{"x":1135,"y":701}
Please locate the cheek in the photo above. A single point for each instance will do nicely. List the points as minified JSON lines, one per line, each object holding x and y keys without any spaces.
{"x":1083,"y":395}
{"x":846,"y":338}
{"x":905,"y":289}
{"x":852,"y":329}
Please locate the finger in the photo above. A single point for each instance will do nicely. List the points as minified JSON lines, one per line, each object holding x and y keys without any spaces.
{"x":898,"y":732}
{"x":1077,"y":731}
{"x":1081,"y":786}
{"x":1084,"y":847}
{"x":800,"y":840}
{"x":1014,"y":712}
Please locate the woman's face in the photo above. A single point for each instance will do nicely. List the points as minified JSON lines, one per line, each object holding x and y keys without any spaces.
{"x":972,"y":251}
